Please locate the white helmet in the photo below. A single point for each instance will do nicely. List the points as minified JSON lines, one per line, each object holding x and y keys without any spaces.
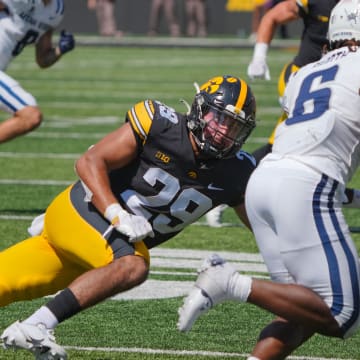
{"x":344,"y":21}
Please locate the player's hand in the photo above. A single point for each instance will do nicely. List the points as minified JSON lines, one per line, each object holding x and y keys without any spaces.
{"x":258,"y":69}
{"x":66,"y":42}
{"x":135,"y":227}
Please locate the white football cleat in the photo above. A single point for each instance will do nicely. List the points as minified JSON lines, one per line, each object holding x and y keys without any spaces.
{"x":210,"y":289}
{"x":35,"y":338}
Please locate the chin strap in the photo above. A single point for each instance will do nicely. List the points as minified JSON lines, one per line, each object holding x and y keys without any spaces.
{"x":197,"y":87}
{"x":188,"y":107}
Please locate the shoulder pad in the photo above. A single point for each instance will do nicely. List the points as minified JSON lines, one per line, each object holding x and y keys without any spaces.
{"x":140,"y":117}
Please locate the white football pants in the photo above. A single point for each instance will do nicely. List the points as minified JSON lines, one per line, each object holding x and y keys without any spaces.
{"x":296,"y":216}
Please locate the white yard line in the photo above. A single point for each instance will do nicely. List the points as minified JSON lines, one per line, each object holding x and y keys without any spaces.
{"x":29,"y":155}
{"x":184,"y":352}
{"x":35,"y":182}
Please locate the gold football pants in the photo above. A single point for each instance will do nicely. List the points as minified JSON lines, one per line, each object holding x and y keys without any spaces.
{"x":67,"y":247}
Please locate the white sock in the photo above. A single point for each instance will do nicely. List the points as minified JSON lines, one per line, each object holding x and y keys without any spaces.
{"x":252,"y":358}
{"x":240,"y":286}
{"x":42,"y":316}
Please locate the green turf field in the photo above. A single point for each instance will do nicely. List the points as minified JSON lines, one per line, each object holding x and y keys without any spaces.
{"x":85,"y":96}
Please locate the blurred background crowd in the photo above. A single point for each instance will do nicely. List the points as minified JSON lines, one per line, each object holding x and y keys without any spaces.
{"x":175,"y":18}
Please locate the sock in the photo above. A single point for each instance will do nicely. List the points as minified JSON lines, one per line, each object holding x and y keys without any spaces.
{"x":352,"y":198}
{"x":239,"y":286}
{"x":64,"y":305}
{"x":43,"y":316}
{"x":252,"y":358}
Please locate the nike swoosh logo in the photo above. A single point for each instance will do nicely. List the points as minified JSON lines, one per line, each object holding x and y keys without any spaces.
{"x":212,"y":187}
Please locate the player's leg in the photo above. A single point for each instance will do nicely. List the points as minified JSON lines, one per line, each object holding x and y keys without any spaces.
{"x":113,"y":265}
{"x":25,"y":114}
{"x":200,"y":13}
{"x":32,"y":269}
{"x":154,"y":16}
{"x":326,"y":296}
{"x":279,"y":339}
{"x":110,"y":265}
{"x":314,"y":244}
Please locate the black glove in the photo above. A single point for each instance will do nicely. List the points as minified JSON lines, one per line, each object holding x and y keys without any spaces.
{"x":66,"y":42}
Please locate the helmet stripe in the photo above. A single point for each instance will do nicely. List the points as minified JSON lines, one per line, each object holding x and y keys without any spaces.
{"x":242,"y":95}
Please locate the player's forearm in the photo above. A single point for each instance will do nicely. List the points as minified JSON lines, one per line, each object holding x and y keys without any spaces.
{"x":283,"y":13}
{"x":48,"y":58}
{"x":266,"y":30}
{"x":93,"y":173}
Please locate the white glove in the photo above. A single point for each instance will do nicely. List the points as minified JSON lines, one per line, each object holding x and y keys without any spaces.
{"x":135,"y":227}
{"x":258,"y":68}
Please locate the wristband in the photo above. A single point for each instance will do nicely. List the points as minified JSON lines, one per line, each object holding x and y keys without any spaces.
{"x":112,"y":213}
{"x":260,"y":50}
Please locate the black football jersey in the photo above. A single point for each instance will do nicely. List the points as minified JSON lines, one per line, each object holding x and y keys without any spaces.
{"x":167,"y":184}
{"x":315,"y":15}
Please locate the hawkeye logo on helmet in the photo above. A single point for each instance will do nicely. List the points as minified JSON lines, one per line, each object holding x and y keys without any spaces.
{"x":213,"y":84}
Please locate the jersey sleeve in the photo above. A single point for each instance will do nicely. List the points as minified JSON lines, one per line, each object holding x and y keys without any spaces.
{"x":140,"y":118}
{"x":245,"y":164}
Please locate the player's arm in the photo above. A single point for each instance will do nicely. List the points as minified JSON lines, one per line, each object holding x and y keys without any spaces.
{"x":47,"y":54}
{"x":241,"y":213}
{"x":284,"y":12}
{"x":115,"y":150}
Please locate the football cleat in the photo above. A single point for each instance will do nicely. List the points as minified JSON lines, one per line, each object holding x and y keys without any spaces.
{"x":35,"y":338}
{"x":210,"y":289}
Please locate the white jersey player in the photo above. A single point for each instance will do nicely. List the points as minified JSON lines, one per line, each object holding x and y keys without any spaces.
{"x":316,"y":152}
{"x":24,"y":22}
{"x":294,"y":203}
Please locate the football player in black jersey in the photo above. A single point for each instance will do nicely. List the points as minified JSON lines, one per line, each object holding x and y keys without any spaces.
{"x":139,"y":186}
{"x":315,"y":16}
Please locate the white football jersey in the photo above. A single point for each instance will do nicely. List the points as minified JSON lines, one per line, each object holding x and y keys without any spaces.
{"x":322,"y":100}
{"x":17,"y":31}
